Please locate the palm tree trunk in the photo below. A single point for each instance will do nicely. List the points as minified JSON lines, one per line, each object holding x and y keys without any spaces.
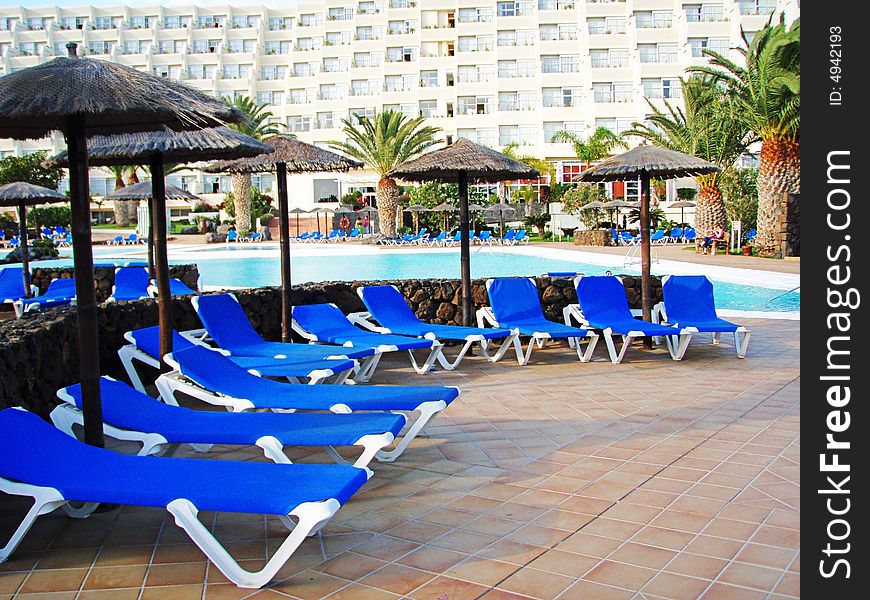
{"x":388,"y":202}
{"x":119,"y":207}
{"x":709,"y":210}
{"x":242,"y":201}
{"x":779,"y":173}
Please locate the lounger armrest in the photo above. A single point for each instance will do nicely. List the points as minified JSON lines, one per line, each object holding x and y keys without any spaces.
{"x":152,"y":290}
{"x":572,"y":312}
{"x":295,"y":326}
{"x":364,"y":320}
{"x":658,"y":313}
{"x":485,"y":317}
{"x":636,"y":312}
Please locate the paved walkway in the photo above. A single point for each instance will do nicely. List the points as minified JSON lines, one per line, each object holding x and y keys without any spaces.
{"x":648,"y":480}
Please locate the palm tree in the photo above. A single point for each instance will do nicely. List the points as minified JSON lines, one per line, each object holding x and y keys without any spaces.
{"x":707,"y":127}
{"x":543,"y":166}
{"x":384,"y":142}
{"x":597,"y":146}
{"x":256,"y":124}
{"x":122,"y":209}
{"x":766,"y":88}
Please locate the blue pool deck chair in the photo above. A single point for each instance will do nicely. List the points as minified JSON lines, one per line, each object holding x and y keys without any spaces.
{"x":325,"y":323}
{"x":438,"y":240}
{"x":514,"y":305}
{"x":215,"y":379}
{"x":60,"y":292}
{"x":604,"y":306}
{"x":144,"y":347}
{"x":388,"y":307}
{"x":689,"y":302}
{"x":508,"y":238}
{"x":30,"y":466}
{"x":12,"y":285}
{"x":228,"y":326}
{"x":176,"y":287}
{"x":133,"y":416}
{"x":131,"y":283}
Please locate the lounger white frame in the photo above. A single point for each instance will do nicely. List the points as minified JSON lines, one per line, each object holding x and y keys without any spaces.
{"x":66,"y":416}
{"x":420,"y":368}
{"x":485,"y":315}
{"x":659,"y":315}
{"x":152,"y":287}
{"x":170,"y":383}
{"x":362,"y":372}
{"x":676,"y":344}
{"x":19,"y":307}
{"x":311,"y":517}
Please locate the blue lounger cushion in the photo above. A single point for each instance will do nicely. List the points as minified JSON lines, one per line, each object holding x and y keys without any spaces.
{"x":219,"y":374}
{"x":515,"y":304}
{"x":11,"y":284}
{"x":330,"y":325}
{"x":131,"y":283}
{"x":127,"y":408}
{"x":689,"y":302}
{"x":228,"y":325}
{"x":60,"y":292}
{"x":387,"y":305}
{"x":34,"y":452}
{"x":604,"y":304}
{"x":148,"y":341}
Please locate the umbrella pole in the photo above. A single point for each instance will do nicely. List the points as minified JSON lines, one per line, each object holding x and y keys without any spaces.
{"x":284,"y":246}
{"x":86,"y":300}
{"x":151,"y":274}
{"x":464,"y":250}
{"x":22,"y":236}
{"x":645,"y":283}
{"x":161,"y":263}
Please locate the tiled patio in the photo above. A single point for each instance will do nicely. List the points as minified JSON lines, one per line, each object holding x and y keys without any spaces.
{"x":651,"y":479}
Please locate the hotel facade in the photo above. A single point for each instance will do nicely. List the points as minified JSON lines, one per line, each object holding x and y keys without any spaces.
{"x":496,"y":72}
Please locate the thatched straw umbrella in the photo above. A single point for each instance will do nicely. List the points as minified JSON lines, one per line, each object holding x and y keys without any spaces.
{"x":415,"y":210}
{"x":290,"y":156}
{"x":461,"y":162}
{"x":296,"y":211}
{"x":156,"y":149}
{"x":501,"y":208}
{"x":83,"y":97}
{"x":21,"y":195}
{"x":682,"y":205}
{"x":646,"y":162}
{"x":595,"y":205}
{"x":616,"y":205}
{"x":444,"y":209}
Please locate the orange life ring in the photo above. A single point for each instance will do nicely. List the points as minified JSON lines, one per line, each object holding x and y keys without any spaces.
{"x":344,"y":223}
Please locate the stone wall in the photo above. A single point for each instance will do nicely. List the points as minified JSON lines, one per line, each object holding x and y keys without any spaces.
{"x":104,"y":277}
{"x":38,"y":353}
{"x":788,"y":234}
{"x":593,"y":237}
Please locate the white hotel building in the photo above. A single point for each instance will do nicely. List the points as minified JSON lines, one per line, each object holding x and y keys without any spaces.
{"x":494,"y":71}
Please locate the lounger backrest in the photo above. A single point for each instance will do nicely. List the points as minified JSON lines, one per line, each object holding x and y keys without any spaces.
{"x":485,"y":235}
{"x":514,"y":300}
{"x":689,"y":298}
{"x":128,"y":408}
{"x":323,"y":319}
{"x":676,"y":232}
{"x":215,"y":371}
{"x":231,"y":235}
{"x":521,"y":234}
{"x":602,"y":298}
{"x":131,"y":280}
{"x":147,"y":340}
{"x":387,"y":305}
{"x":60,"y":288}
{"x":226,"y":321}
{"x":509,"y":235}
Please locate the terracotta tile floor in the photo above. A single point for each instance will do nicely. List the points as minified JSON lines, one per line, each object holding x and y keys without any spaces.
{"x":648,"y":480}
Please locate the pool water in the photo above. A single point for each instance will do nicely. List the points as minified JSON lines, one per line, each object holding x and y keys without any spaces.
{"x":257,"y":271}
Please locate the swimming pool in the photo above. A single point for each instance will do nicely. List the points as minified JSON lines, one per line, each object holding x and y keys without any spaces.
{"x":252,"y":266}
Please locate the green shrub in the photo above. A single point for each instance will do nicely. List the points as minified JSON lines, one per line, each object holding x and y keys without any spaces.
{"x":49,"y":216}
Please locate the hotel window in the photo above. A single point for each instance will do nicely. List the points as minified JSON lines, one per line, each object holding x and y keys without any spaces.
{"x":511,"y":37}
{"x":325,"y":120}
{"x":301,"y":96}
{"x":475,"y":43}
{"x":210,"y":21}
{"x":270,"y":48}
{"x":654,"y":19}
{"x":36,"y":24}
{"x":508,"y":69}
{"x":428,"y":108}
{"x":402,"y":27}
{"x":140,"y":22}
{"x":475,"y":15}
{"x":279,"y":23}
{"x":703,"y":13}
{"x":245,"y":21}
{"x":657,"y":53}
{"x":135,"y":47}
{"x":513,"y":8}
{"x":335,"y":64}
{"x":308,"y":43}
{"x":364,"y":87}
{"x":400,"y":3}
{"x":201,"y":72}
{"x":236,"y":46}
{"x":329,"y":91}
{"x":611,"y":58}
{"x":756,"y":7}
{"x":475,"y":105}
{"x":398,"y":83}
{"x":511,"y":101}
{"x":272,"y":72}
{"x":570,"y":172}
{"x":402,"y":54}
{"x":236,"y":71}
{"x":367,"y":59}
{"x":303,"y":69}
{"x":170,"y":71}
{"x":270,"y":98}
{"x":298,"y":124}
{"x":698,"y":45}
{"x":555,"y":4}
{"x":7,"y":23}
{"x":99,"y":48}
{"x":606,"y":25}
{"x":366,"y":8}
{"x":355,"y":114}
{"x":310,"y":19}
{"x":366,"y":33}
{"x":475,"y":73}
{"x":103,"y":23}
{"x":522,"y":135}
{"x":612,"y":92}
{"x":664,"y":88}
{"x":428,"y":78}
{"x":28,"y":49}
{"x":337,"y":38}
{"x":174,"y":22}
{"x":342,"y":13}
{"x":564,"y":63}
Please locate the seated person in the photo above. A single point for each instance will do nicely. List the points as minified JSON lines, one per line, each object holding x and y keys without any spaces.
{"x":709,"y":241}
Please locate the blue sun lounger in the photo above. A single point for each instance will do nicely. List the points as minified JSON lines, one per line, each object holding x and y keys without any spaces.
{"x":604,"y":306}
{"x":215,"y":379}
{"x":60,"y":292}
{"x":41,"y":462}
{"x":689,"y":302}
{"x":176,"y":287}
{"x":144,"y":347}
{"x":228,"y":326}
{"x":325,"y":323}
{"x":387,"y":306}
{"x":514,"y":305}
{"x":12,"y":285}
{"x":133,"y":416}
{"x":131,"y":283}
